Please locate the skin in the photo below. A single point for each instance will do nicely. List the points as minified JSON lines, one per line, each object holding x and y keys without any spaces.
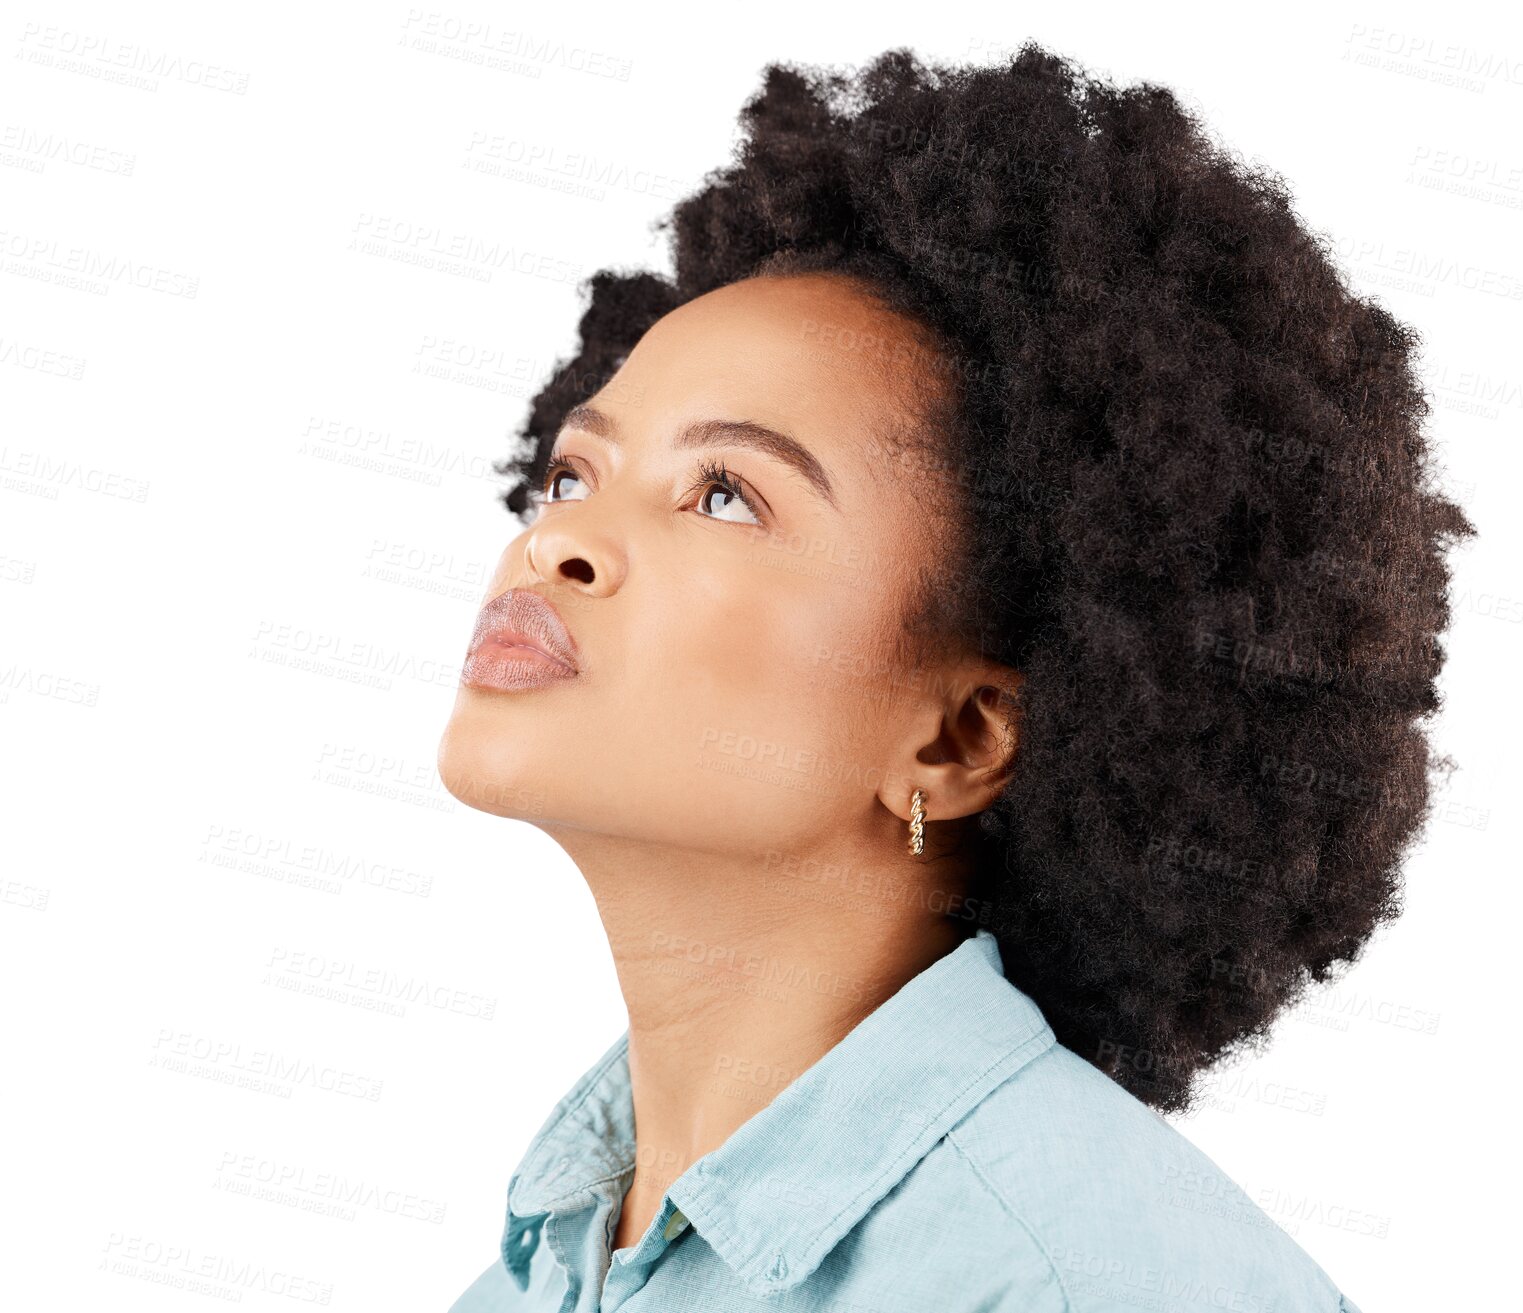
{"x":759,"y":902}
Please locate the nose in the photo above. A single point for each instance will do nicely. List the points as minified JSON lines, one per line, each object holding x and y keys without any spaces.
{"x":572,"y":549}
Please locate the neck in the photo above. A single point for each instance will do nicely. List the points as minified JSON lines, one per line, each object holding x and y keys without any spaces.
{"x":739,"y":974}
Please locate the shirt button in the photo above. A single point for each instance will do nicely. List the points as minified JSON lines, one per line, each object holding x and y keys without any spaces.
{"x":674,"y":1225}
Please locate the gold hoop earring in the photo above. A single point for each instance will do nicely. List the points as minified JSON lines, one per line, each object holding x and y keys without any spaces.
{"x":917,"y":823}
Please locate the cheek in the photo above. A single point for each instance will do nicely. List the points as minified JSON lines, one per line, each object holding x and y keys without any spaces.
{"x":775,"y":657}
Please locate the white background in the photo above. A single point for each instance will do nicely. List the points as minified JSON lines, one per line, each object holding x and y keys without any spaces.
{"x":197,"y":491}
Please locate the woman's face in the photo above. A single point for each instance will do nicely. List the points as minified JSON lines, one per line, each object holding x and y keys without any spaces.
{"x":739,"y":686}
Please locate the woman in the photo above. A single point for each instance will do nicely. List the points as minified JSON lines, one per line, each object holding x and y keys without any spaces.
{"x":971,"y":638}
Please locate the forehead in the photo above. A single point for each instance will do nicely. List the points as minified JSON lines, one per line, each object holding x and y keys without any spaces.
{"x":813,"y":355}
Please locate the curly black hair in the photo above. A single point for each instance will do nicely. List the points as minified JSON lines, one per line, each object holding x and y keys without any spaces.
{"x":1196,"y":510}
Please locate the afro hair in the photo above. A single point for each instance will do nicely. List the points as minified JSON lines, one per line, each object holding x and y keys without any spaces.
{"x":1194,"y":507}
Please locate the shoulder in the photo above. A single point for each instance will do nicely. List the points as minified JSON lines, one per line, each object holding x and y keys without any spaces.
{"x":1124,"y":1210}
{"x":488,"y":1293}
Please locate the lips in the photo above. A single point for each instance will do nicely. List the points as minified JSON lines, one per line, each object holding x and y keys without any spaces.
{"x":520,"y":641}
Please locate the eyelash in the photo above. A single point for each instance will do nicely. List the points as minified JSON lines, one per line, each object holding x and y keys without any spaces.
{"x":709,"y":472}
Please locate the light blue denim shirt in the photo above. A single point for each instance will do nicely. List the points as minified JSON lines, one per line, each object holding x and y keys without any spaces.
{"x":948,"y":1155}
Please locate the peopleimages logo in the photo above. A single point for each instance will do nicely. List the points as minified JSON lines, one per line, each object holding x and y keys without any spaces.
{"x":43,"y":256}
{"x":99,"y":56}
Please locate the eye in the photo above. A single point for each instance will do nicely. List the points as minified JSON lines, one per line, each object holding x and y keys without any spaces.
{"x":738,"y":509}
{"x":556,"y":472}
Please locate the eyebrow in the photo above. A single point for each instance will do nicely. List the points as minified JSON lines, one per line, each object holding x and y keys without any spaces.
{"x":717,"y":433}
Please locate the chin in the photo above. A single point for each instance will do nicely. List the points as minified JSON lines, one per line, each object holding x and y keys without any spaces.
{"x":483,"y":764}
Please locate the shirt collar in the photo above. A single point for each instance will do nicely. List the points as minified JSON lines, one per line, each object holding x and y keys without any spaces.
{"x":778,"y":1195}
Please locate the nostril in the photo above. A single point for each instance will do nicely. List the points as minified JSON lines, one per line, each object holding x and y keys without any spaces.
{"x":577,"y":569}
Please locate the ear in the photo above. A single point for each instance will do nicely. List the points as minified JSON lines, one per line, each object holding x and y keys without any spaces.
{"x":960,"y":753}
